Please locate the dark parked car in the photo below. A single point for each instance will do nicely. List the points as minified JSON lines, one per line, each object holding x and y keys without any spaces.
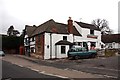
{"x":77,"y":53}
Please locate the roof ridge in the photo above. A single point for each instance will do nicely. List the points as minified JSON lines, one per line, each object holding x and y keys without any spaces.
{"x":51,"y":20}
{"x":54,"y":27}
{"x":84,"y":23}
{"x":41,"y":25}
{"x":87,"y":25}
{"x":61,"y":23}
{"x":45,"y":22}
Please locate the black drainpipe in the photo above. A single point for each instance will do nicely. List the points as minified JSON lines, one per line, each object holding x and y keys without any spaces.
{"x":50,"y":45}
{"x":55,"y":51}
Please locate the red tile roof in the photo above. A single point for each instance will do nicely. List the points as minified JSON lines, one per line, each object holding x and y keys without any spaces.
{"x":86,"y":25}
{"x":110,"y":38}
{"x":52,"y":27}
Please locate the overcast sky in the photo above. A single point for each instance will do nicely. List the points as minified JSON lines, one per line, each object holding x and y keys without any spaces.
{"x":34,"y":12}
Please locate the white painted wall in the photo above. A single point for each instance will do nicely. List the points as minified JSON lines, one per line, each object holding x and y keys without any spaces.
{"x":98,"y":33}
{"x":55,"y":38}
{"x":117,"y":45}
{"x":58,"y":37}
{"x":83,"y":39}
{"x":114,"y":45}
{"x":32,"y":42}
{"x":47,"y":43}
{"x":26,"y":36}
{"x":58,"y":49}
{"x":84,"y":32}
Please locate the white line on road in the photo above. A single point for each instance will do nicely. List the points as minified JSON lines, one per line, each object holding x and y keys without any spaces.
{"x":109,"y":76}
{"x":43,"y":72}
{"x":14,"y":63}
{"x":91,"y":73}
{"x":17,"y":64}
{"x":66,"y":69}
{"x":33,"y":69}
{"x":20,"y":65}
{"x":60,"y":76}
{"x":106,"y":69}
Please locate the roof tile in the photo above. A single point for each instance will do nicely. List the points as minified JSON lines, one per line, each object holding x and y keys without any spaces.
{"x":86,"y":25}
{"x":110,"y":38}
{"x":54,"y":27}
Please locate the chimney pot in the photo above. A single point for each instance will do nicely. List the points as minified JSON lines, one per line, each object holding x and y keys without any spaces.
{"x":70,"y":25}
{"x":69,"y":18}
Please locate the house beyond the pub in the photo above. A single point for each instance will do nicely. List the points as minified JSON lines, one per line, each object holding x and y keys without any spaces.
{"x":53,"y":40}
{"x":90,"y":34}
{"x":111,"y":40}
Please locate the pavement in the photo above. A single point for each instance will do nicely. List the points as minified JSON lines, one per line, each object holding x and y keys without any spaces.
{"x":37,"y":65}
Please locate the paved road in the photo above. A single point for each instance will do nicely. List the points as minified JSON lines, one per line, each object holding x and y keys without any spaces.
{"x":13,"y":71}
{"x":103,"y":66}
{"x":49,"y":70}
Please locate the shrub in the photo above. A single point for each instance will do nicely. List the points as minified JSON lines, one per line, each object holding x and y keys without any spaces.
{"x":110,"y":52}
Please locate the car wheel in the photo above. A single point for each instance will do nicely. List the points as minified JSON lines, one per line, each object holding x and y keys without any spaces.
{"x":93,"y":55}
{"x":70,"y":58}
{"x":76,"y":57}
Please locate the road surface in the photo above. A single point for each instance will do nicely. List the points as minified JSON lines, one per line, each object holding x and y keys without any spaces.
{"x":13,"y":71}
{"x":49,"y":70}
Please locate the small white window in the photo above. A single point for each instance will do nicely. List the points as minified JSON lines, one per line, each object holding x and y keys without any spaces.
{"x":65,"y":38}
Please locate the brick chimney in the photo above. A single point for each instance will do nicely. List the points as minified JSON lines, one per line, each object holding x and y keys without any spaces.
{"x":70,"y":25}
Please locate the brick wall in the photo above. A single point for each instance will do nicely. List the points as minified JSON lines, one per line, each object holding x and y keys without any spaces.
{"x":39,"y":45}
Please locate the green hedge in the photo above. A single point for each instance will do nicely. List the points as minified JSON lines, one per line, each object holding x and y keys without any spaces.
{"x":110,"y":52}
{"x":11,"y":42}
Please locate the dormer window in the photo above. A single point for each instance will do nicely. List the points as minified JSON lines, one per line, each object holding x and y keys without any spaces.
{"x":92,"y":32}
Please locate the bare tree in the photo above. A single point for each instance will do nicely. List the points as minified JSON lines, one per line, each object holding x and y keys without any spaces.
{"x":102,"y":24}
{"x":97,"y":22}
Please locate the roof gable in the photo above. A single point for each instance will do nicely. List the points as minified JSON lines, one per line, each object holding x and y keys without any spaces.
{"x":44,"y":27}
{"x":86,"y":25}
{"x":29,"y":29}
